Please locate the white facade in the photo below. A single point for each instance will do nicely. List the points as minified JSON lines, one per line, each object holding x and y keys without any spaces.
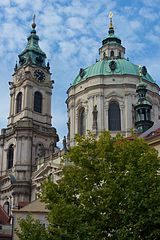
{"x":112,"y":79}
{"x":29,"y":134}
{"x":100,"y":91}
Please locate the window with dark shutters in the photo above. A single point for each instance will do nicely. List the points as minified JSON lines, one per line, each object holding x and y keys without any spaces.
{"x":19,"y":102}
{"x":114,"y":118}
{"x":38,"y":102}
{"x":10,"y":155}
{"x":82,"y":122}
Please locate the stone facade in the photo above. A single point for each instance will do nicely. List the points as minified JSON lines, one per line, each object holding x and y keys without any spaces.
{"x":112,"y":80}
{"x":29,"y":134}
{"x":100,"y":91}
{"x":28,"y":151}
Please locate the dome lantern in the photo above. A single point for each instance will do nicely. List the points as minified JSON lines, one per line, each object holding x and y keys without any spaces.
{"x":111,"y":45}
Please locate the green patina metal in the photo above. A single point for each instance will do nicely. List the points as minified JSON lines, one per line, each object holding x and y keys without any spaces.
{"x":32,"y":54}
{"x":142,"y":108}
{"x":142,"y":90}
{"x":102,"y":68}
{"x":112,"y":38}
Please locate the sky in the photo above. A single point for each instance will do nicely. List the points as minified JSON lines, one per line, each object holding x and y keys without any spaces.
{"x":71,"y":32}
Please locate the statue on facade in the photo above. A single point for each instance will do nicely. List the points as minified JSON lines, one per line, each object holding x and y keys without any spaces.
{"x":95,"y":113}
{"x":68,"y":126}
{"x":64,"y":144}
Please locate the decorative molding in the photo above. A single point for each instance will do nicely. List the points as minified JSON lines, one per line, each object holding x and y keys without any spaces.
{"x":114,"y":94}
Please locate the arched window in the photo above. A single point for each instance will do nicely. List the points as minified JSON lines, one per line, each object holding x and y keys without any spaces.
{"x":18,"y":102}
{"x":10,"y":155}
{"x":38,"y":102}
{"x":112,"y":53}
{"x":81,"y":122}
{"x":114,"y":118}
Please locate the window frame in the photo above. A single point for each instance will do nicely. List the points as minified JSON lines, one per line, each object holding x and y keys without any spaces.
{"x":10,"y":156}
{"x":114,"y":116}
{"x":81,"y":121}
{"x":19,"y":102}
{"x":38,"y":100}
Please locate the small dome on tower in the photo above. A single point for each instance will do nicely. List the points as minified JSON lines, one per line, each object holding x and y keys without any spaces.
{"x":32,"y":54}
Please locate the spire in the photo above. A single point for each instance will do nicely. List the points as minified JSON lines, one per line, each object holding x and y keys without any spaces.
{"x":111,"y":28}
{"x":33,"y":25}
{"x":111,"y":38}
{"x":32,"y":54}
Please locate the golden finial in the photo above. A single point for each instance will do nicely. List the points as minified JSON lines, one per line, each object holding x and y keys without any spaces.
{"x":34,"y":24}
{"x":110,"y":15}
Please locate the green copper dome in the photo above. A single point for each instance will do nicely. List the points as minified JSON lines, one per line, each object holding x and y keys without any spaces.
{"x":112,"y":61}
{"x":32,"y":54}
{"x":104,"y":68}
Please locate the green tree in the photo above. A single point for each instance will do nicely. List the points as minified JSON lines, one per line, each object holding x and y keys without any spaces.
{"x":110,"y":189}
{"x":31,"y":229}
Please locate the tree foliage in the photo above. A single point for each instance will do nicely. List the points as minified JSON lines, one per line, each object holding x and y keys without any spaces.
{"x":31,"y":229}
{"x":110,"y":190}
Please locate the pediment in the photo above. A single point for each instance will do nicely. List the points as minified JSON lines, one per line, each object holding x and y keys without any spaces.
{"x":6,"y":182}
{"x":44,"y":171}
{"x":114,"y":95}
{"x":80,"y":103}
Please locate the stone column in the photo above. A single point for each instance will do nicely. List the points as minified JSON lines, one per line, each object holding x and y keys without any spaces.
{"x":49,"y":95}
{"x":27,"y":97}
{"x":72,"y":117}
{"x":90,"y":110}
{"x":101,"y":113}
{"x":76,"y":123}
{"x":17,"y":151}
{"x":128,"y":113}
{"x":122,"y":117}
{"x":11,"y":104}
{"x":47,"y":106}
{"x":24,"y":97}
{"x":106,"y":108}
{"x":87,"y":120}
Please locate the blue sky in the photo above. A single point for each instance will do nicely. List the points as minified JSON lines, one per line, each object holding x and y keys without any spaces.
{"x":70,"y":33}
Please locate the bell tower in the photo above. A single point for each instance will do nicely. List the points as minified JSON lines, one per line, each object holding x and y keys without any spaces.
{"x":31,"y":88}
{"x":29,"y":134}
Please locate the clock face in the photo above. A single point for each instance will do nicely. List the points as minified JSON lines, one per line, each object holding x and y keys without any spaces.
{"x":39,"y":75}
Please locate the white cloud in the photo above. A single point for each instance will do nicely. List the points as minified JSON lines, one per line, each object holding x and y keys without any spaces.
{"x":148,"y":13}
{"x":4,"y":3}
{"x":152,"y":4}
{"x":76,"y":23}
{"x":135,"y":24}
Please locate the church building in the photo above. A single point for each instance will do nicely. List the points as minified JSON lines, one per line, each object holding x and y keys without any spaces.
{"x":103,"y":96}
{"x":112,"y":94}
